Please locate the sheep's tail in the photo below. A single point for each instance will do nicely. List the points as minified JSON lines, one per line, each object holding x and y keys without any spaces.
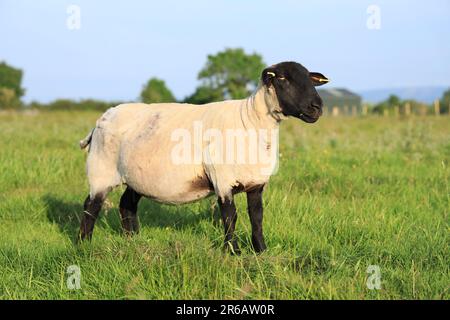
{"x":86,"y":141}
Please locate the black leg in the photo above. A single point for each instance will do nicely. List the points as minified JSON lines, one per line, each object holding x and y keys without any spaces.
{"x":128,"y":211}
{"x":92,"y":209}
{"x":229,"y":217}
{"x":255,"y":211}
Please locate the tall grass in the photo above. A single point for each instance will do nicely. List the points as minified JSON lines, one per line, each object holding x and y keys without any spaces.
{"x":350,"y":192}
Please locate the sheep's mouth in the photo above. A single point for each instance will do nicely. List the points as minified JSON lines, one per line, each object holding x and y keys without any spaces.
{"x":307,"y":118}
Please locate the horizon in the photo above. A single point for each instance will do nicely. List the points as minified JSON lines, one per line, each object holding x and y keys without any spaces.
{"x":119,"y":47}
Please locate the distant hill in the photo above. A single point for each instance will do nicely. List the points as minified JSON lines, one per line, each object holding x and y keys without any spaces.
{"x":421,"y":94}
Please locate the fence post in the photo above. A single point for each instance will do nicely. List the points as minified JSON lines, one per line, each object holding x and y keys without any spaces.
{"x":407,"y":109}
{"x":364,"y":110}
{"x":437,"y":109}
{"x":354,"y":111}
{"x":396,"y":111}
{"x":335,"y":111}
{"x":424,"y":109}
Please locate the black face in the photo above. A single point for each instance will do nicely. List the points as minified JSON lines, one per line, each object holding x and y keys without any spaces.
{"x":294,"y":86}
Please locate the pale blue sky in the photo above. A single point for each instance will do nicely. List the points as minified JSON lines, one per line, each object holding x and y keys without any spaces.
{"x":123,"y":43}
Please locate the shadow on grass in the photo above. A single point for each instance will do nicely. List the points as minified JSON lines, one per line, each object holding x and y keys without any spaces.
{"x":67,"y":215}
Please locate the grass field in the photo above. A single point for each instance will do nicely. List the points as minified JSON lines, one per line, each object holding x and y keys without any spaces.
{"x":350,"y":192}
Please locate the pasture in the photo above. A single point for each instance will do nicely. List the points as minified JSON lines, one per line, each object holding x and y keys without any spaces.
{"x":349,"y":193}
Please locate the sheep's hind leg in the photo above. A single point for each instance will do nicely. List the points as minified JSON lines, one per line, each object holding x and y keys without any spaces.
{"x":229,"y":218}
{"x":128,"y":211}
{"x":92,"y":207}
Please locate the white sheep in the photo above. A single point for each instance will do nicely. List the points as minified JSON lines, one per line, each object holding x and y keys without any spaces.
{"x":179,"y":153}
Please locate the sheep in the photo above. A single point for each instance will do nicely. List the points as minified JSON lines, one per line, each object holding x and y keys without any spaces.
{"x":174,"y":153}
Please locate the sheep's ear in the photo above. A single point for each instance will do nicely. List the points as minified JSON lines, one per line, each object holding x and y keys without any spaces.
{"x":267,"y":75}
{"x":318,"y":79}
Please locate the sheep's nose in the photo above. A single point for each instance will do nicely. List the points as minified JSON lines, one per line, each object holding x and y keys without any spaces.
{"x":317,"y":102}
{"x":316,"y":105}
{"x":317,"y":109}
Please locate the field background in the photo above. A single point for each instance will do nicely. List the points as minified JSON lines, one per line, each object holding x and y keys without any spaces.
{"x":350,"y":192}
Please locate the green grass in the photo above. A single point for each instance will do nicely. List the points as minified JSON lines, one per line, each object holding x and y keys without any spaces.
{"x":349,"y":193}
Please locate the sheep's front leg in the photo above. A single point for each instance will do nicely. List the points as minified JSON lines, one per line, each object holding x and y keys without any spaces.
{"x":128,"y":211}
{"x":229,"y":217}
{"x":255,"y":211}
{"x":92,"y":209}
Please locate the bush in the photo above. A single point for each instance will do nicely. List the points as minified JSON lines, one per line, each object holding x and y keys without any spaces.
{"x":204,"y":95}
{"x":11,"y":78}
{"x":8,"y":99}
{"x":393,"y":101}
{"x":71,"y":105}
{"x":156,"y":91}
{"x":445,"y":102}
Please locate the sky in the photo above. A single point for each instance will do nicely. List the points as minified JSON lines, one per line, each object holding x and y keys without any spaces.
{"x":358,"y":44}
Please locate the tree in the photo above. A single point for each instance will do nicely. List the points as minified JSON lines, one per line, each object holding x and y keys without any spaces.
{"x":11,"y":78}
{"x":156,"y":91}
{"x":231,"y":74}
{"x":389,"y":103}
{"x":393,"y":101}
{"x":445,"y":102}
{"x":8,"y":99}
{"x":204,"y":95}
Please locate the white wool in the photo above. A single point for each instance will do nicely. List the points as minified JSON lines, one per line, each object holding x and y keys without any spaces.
{"x":133,"y":144}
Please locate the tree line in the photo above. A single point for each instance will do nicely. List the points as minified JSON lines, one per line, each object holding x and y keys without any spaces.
{"x":228,"y":74}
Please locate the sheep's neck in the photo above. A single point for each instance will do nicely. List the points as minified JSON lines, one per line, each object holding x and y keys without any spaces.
{"x":259,"y":110}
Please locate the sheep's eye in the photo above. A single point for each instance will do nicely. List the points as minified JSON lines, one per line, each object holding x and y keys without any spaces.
{"x":281,"y":78}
